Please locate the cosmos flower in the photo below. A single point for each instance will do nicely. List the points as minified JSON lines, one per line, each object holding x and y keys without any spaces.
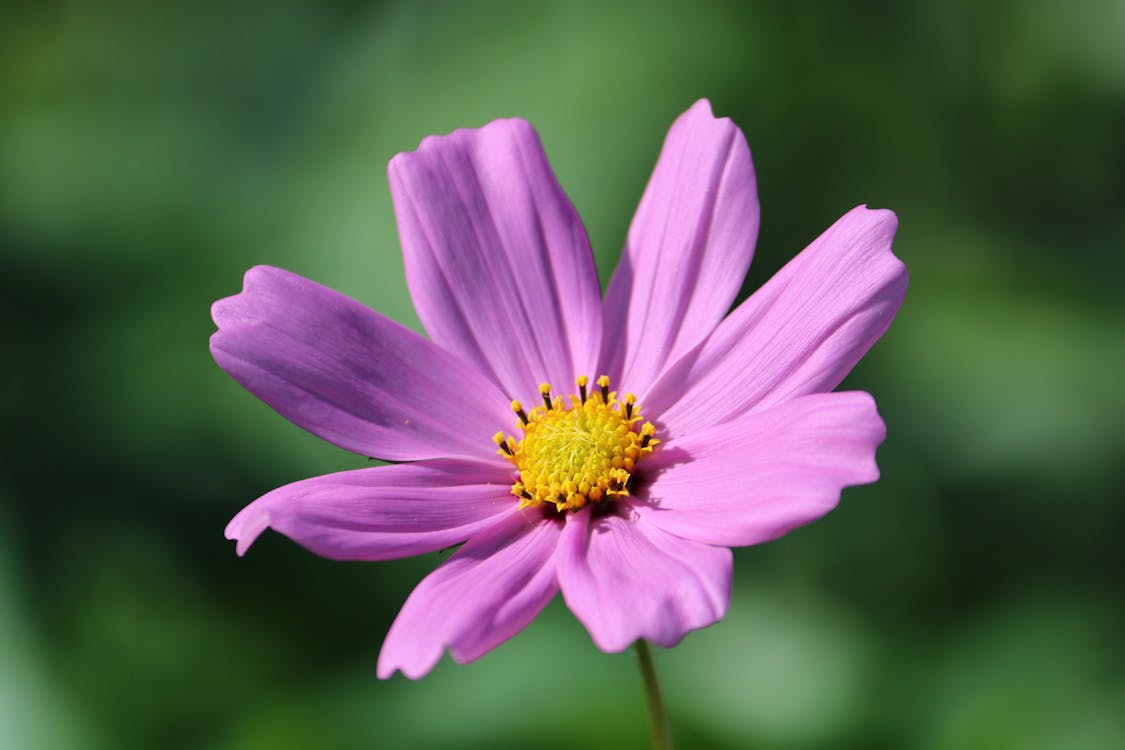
{"x":612,"y":449}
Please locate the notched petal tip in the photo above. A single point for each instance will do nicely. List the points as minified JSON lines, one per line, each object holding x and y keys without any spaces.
{"x":402,"y":166}
{"x":868,"y":404}
{"x":431,"y":143}
{"x":869,"y":421}
{"x":247,"y":526}
{"x":226,"y":310}
{"x":386,"y":667}
{"x":417,"y":666}
{"x":878,"y":223}
{"x":701,"y":108}
{"x":875,"y":225}
{"x":218,"y":310}
{"x":625,"y":579}
{"x":881,"y":226}
{"x":879,"y":213}
{"x":703,"y":114}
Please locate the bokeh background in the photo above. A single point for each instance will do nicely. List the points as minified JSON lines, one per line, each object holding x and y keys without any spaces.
{"x":151,"y":152}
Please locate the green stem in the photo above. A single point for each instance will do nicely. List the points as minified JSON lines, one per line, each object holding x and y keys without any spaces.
{"x":654,"y":698}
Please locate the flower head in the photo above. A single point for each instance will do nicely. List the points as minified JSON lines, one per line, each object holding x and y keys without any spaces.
{"x":613,"y":449}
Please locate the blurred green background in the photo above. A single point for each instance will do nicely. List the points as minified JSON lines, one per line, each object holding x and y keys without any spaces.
{"x":150,"y":153}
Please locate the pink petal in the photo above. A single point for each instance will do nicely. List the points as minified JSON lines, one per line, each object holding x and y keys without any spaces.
{"x":626,"y":579}
{"x":482,"y":596}
{"x":497,"y":259}
{"x":383,"y":512}
{"x":802,"y":332}
{"x":687,"y":253}
{"x":757,"y":477}
{"x":351,"y":376}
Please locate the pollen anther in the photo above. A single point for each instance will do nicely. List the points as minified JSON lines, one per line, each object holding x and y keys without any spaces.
{"x":577,"y":450}
{"x":582,"y":381}
{"x":603,"y":383}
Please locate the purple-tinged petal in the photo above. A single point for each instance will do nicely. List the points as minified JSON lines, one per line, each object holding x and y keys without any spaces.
{"x":497,"y":260}
{"x":626,"y":579}
{"x":688,"y":249}
{"x":383,"y":512}
{"x":757,"y":477}
{"x":483,"y":595}
{"x":351,"y":376}
{"x":802,"y":332}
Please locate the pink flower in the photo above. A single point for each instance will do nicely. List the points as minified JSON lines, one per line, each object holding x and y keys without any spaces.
{"x":729,"y":435}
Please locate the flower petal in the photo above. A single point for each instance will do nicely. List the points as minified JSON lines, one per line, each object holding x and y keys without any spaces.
{"x":497,"y":260}
{"x":688,"y":249}
{"x":482,"y":596}
{"x":759,"y":476}
{"x":802,"y":332}
{"x":351,"y":376}
{"x":626,"y":579}
{"x":382,"y":512}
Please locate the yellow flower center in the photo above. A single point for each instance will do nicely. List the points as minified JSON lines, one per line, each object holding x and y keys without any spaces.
{"x":582,"y":452}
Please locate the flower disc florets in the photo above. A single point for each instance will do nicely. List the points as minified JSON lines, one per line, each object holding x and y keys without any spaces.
{"x":582,"y":452}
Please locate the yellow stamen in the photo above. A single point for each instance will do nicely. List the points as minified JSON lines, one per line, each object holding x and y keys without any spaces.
{"x":502,"y":443}
{"x":603,"y":383}
{"x":580,"y":453}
